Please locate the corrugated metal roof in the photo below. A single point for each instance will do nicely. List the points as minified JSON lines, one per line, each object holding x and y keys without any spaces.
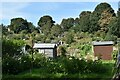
{"x":44,"y":45}
{"x":103,"y":43}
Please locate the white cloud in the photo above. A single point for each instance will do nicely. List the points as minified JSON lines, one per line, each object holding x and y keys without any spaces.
{"x":9,"y":10}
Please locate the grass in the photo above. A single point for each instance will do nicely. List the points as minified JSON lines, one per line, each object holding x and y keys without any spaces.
{"x":42,"y":73}
{"x":91,"y":76}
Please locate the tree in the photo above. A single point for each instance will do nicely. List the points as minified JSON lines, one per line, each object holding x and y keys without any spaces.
{"x":94,"y":23}
{"x":69,"y":37}
{"x":118,"y":25}
{"x":44,"y":20}
{"x":56,"y":30}
{"x":103,"y":6}
{"x":19,"y":24}
{"x":84,"y":21}
{"x":46,"y":24}
{"x":110,"y":37}
{"x":106,"y":16}
{"x":76,"y":21}
{"x":97,"y":14}
{"x":114,"y":26}
{"x":31,"y":27}
{"x":4,"y":29}
{"x":76,"y":26}
{"x":41,"y":38}
{"x":66,"y":24}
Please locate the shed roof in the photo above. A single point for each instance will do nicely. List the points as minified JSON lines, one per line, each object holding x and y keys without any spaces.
{"x":103,"y":43}
{"x":44,"y":45}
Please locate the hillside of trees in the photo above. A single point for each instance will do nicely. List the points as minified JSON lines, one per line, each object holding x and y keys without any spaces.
{"x":102,"y":24}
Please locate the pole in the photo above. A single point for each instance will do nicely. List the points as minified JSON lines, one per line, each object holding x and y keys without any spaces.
{"x":32,"y":44}
{"x":32,"y":55}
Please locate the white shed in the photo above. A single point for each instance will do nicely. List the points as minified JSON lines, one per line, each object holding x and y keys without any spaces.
{"x":50,"y":50}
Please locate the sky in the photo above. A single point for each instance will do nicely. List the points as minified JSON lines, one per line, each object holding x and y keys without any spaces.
{"x":32,"y":11}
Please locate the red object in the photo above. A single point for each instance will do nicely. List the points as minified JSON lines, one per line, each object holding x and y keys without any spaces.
{"x":103,"y":51}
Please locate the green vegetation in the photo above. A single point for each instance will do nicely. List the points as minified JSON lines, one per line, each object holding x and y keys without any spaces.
{"x":102,"y":23}
{"x":11,"y":47}
{"x":75,"y":58}
{"x":66,"y":24}
{"x":58,"y":68}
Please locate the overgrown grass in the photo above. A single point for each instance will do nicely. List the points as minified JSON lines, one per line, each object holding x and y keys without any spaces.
{"x":43,"y":73}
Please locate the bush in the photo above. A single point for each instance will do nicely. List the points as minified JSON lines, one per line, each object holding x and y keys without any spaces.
{"x":73,"y":65}
{"x":62,"y":64}
{"x":39,"y":61}
{"x":10,"y":65}
{"x":69,"y":38}
{"x":84,"y":49}
{"x":25,"y":62}
{"x":15,"y":65}
{"x":55,"y":67}
{"x":12,"y":47}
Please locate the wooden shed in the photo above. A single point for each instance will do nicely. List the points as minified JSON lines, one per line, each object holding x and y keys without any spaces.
{"x":103,"y":49}
{"x":48,"y":49}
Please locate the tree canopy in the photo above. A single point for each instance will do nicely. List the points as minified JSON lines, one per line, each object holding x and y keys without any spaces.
{"x":56,"y":30}
{"x":19,"y":24}
{"x":66,"y":24}
{"x":46,"y":23}
{"x":85,"y":21}
{"x":101,"y":17}
{"x":101,"y":21}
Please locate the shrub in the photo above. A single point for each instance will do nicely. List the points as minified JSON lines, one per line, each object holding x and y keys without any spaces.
{"x":62,"y":64}
{"x":69,"y":38}
{"x":25,"y":62}
{"x":55,"y":67}
{"x":62,"y":51}
{"x":39,"y":60}
{"x":73,"y":65}
{"x":95,"y":66}
{"x":10,"y":65}
{"x":15,"y":65}
{"x":12,"y":47}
